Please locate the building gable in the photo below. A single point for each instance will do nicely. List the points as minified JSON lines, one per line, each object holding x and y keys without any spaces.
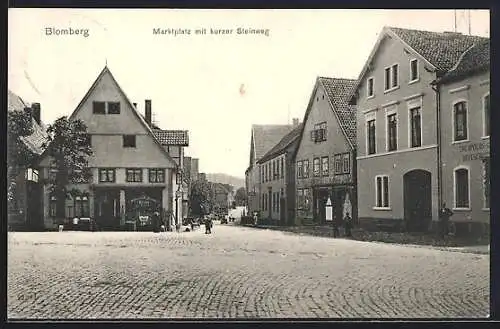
{"x":107,"y":130}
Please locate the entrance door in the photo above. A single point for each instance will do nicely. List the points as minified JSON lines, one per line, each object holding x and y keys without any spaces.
{"x":417,"y":200}
{"x":107,"y":209}
{"x":34,"y":213}
{"x":338,"y":203}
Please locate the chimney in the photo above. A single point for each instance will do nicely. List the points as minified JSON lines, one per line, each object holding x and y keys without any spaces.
{"x":147,"y":111}
{"x":295,"y":122}
{"x":135,"y":105}
{"x":35,"y":112}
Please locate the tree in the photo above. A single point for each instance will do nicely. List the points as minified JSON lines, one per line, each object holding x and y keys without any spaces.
{"x":68,"y":148}
{"x":241,"y":196}
{"x":19,"y":156}
{"x":201,"y":198}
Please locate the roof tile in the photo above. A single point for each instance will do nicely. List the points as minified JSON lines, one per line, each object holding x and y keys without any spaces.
{"x":338,"y":91}
{"x":288,"y":139}
{"x":267,"y":136}
{"x":476,"y":59}
{"x":172,"y":137}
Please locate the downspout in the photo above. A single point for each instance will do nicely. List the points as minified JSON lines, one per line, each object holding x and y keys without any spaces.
{"x":435,"y":87}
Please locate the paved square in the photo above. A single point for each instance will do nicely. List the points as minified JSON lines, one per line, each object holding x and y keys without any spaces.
{"x":236,"y":272}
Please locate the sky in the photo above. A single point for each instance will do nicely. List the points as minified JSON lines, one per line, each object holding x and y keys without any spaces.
{"x":214,"y":85}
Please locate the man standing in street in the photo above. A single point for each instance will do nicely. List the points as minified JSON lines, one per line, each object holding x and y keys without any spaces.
{"x":348,"y":224}
{"x":444,"y":218}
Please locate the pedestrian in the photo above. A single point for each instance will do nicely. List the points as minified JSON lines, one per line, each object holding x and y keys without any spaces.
{"x":155,"y":222}
{"x":444,"y":218}
{"x":335,"y":224}
{"x":348,"y":224}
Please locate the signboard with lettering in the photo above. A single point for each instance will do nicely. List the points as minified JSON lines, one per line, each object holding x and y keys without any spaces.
{"x":474,"y":151}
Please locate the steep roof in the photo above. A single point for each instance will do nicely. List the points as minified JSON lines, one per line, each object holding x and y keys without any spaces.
{"x":338,"y":91}
{"x":441,"y":49}
{"x":34,"y":141}
{"x":475,"y":60}
{"x":141,"y":119}
{"x":266,"y":136}
{"x":281,"y":146}
{"x":172,"y":137}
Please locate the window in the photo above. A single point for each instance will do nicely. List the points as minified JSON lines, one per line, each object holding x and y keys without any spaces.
{"x":382,"y":191}
{"x":98,"y":107}
{"x":128,"y":140}
{"x":486,"y":115}
{"x":324,"y":165}
{"x":316,"y":167}
{"x":300,"y":198}
{"x":134,"y":175}
{"x":391,"y":77}
{"x":462,"y":188}
{"x":371,"y":136}
{"x":277,"y":201}
{"x":282,"y":168}
{"x":106,"y":175}
{"x":413,"y":70}
{"x":53,"y":206}
{"x":306,"y":168}
{"x":460,"y":118}
{"x":263,"y":202}
{"x":261,"y":169}
{"x":274,"y":170}
{"x":299,"y":169}
{"x":369,"y":87}
{"x":416,"y":127}
{"x":82,"y":206}
{"x":392,"y":132}
{"x":157,"y":175}
{"x":346,"y":163}
{"x":486,"y":182}
{"x":319,"y":132}
{"x":338,"y":163}
{"x":113,"y":107}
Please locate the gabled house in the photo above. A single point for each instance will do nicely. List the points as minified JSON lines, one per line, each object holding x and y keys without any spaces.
{"x":399,"y":124}
{"x":325,"y":158}
{"x":277,"y":179}
{"x":25,"y":208}
{"x":129,"y":162}
{"x":263,"y":138}
{"x":464,"y":110}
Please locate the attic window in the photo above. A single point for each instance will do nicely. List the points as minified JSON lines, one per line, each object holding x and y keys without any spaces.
{"x":99,"y":108}
{"x":113,"y":107}
{"x":128,"y":140}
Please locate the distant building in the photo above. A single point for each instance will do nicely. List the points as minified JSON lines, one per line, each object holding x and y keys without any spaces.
{"x":25,"y":209}
{"x":325,"y":160}
{"x":262,"y":139}
{"x":194,"y":167}
{"x":277,"y":179}
{"x":401,"y":129}
{"x":202,"y":176}
{"x":221,"y":195}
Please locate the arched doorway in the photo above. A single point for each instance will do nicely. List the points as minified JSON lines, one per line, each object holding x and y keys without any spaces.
{"x":417,"y":200}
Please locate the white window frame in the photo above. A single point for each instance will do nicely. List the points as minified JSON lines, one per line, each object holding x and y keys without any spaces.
{"x":369,"y":117}
{"x":391,"y":74}
{"x":376,"y":207}
{"x":455,"y":187}
{"x":368,"y":96}
{"x":418,"y":72}
{"x":453,"y":141}
{"x":410,"y":105}
{"x":484,"y":115}
{"x":393,"y":109}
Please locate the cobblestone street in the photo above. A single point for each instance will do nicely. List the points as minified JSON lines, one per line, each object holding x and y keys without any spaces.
{"x":236,"y":272}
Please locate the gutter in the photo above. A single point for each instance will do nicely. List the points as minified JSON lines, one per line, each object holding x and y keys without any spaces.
{"x":435,"y":86}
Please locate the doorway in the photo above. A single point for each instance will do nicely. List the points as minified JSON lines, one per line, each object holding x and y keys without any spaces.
{"x":34,"y":213}
{"x":417,"y":200}
{"x":107,"y":208}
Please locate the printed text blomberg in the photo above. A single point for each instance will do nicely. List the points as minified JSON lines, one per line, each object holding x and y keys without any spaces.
{"x":67,"y":31}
